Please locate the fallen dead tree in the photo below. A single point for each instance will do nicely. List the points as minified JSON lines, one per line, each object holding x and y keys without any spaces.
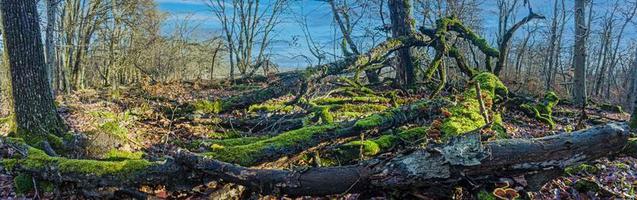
{"x":461,"y":160}
{"x":297,"y":82}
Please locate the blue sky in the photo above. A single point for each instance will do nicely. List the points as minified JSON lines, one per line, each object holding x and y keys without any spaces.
{"x":290,"y":42}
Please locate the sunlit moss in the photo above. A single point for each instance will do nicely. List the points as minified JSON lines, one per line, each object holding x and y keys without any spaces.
{"x":543,"y":111}
{"x":271,"y":107}
{"x":466,"y":115}
{"x":118,"y":155}
{"x":249,"y":154}
{"x":207,"y":107}
{"x":340,"y":100}
{"x":38,"y":160}
{"x":372,"y":147}
{"x":581,"y":168}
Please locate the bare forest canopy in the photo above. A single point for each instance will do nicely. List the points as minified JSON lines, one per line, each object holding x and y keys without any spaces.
{"x":404,"y":99}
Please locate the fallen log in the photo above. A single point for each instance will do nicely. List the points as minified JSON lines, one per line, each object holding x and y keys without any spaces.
{"x":436,"y":166}
{"x":433,"y":167}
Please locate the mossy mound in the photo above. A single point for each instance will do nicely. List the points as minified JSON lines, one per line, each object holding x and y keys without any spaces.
{"x":543,"y":111}
{"x":581,"y":169}
{"x":466,"y":116}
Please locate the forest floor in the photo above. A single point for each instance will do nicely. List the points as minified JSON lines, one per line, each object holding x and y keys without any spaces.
{"x":155,"y":119}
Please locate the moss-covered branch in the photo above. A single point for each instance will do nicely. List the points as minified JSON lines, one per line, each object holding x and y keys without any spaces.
{"x":295,"y":141}
{"x":289,"y":82}
{"x":117,"y":170}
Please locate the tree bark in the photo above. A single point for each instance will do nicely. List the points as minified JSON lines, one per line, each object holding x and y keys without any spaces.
{"x":633,"y":116}
{"x":402,"y":24}
{"x":579,"y":52}
{"x":34,"y":109}
{"x":51,"y":61}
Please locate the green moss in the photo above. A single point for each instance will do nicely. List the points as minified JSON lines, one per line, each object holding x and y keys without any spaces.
{"x":114,"y":128}
{"x":23,"y":183}
{"x":466,"y":115}
{"x":380,"y":144}
{"x":583,"y":185}
{"x":491,"y":84}
{"x":271,"y":107}
{"x":370,"y":122}
{"x":235,"y":141}
{"x":207,"y":107}
{"x":325,"y":115}
{"x":249,"y":154}
{"x":369,"y":148}
{"x":337,"y":100}
{"x":38,"y":160}
{"x":581,"y":169}
{"x":102,"y":167}
{"x":117,"y":155}
{"x":543,"y":111}
{"x":9,"y":164}
{"x":475,"y":39}
{"x":55,"y":141}
{"x":360,"y":108}
{"x":484,"y":195}
{"x":413,"y":133}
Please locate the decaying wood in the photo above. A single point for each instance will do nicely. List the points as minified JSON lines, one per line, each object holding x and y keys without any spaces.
{"x":436,"y":166}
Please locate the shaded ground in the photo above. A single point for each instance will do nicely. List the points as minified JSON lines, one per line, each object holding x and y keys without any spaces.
{"x":156,"y":119}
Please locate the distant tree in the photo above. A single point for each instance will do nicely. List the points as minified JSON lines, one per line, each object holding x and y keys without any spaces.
{"x":579,"y":52}
{"x":633,"y":116}
{"x":248,"y":28}
{"x":342,"y":18}
{"x":402,"y":24}
{"x":51,"y":61}
{"x":33,"y":106}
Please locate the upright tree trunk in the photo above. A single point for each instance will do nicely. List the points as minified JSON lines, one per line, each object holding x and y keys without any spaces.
{"x":551,"y":51}
{"x":402,"y":25}
{"x":579,"y":58}
{"x":35,"y":113}
{"x":633,"y":92}
{"x":51,"y":12}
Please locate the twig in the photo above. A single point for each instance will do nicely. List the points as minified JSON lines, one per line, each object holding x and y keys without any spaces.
{"x":483,"y":110}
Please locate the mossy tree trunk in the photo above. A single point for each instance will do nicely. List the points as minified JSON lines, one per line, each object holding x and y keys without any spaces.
{"x":35,"y":113}
{"x":402,"y":25}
